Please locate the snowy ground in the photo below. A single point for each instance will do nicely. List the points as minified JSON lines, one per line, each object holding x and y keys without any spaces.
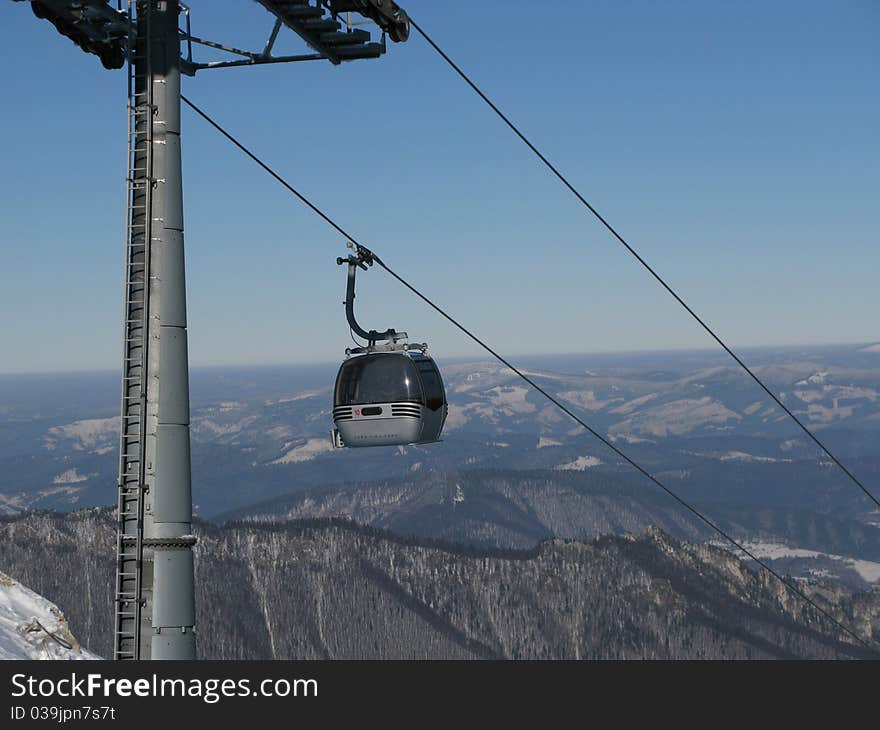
{"x":582,"y":463}
{"x":313,"y":448}
{"x":20,"y":635}
{"x":868,"y":570}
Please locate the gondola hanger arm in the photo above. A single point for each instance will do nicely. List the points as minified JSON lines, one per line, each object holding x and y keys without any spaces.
{"x":362,"y":258}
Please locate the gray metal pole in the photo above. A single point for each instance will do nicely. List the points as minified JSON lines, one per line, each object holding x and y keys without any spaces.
{"x":168,"y":507}
{"x":155,"y":613}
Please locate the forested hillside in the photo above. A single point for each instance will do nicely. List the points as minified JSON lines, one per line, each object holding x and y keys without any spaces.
{"x":328,"y":588}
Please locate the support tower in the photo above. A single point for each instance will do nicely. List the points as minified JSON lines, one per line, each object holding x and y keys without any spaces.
{"x":155,"y":608}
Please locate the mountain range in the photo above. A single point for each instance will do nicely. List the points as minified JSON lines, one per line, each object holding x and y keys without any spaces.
{"x":692,"y":419}
{"x":517,"y":509}
{"x":332,"y":589}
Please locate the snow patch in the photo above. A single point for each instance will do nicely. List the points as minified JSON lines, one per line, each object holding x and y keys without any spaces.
{"x":545,"y":376}
{"x":11,"y":504}
{"x":222,"y":429}
{"x":86,"y":434}
{"x":582,"y":463}
{"x":822,"y":414}
{"x":677,"y":418}
{"x":550,"y":415}
{"x":743,"y":456}
{"x":278,"y":432}
{"x":816,"y":378}
{"x":311,"y":449}
{"x":297,"y":396}
{"x":869,"y":571}
{"x":72,"y":493}
{"x":629,"y":439}
{"x":587,"y":399}
{"x":511,"y":399}
{"x":21,"y":613}
{"x":456,"y":417}
{"x":475,"y":376}
{"x":71,"y":476}
{"x":809,"y":396}
{"x":630,"y":406}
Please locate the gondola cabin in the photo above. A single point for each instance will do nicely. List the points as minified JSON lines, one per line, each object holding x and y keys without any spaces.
{"x":388,"y":399}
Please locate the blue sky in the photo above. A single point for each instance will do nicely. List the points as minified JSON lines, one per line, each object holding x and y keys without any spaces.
{"x":734,"y":144}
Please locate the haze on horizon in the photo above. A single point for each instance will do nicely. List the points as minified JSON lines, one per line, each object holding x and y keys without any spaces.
{"x":521,"y":359}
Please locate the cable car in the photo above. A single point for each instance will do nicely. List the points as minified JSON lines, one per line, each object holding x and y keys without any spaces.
{"x":389,"y":398}
{"x":386,"y":394}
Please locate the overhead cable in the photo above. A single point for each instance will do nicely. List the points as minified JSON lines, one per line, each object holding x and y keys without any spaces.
{"x":564,"y":180}
{"x":792,"y":587}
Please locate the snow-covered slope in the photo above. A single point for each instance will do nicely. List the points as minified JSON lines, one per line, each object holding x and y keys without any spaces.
{"x":22,"y":613}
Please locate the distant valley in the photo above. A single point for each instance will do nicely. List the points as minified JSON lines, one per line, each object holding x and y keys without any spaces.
{"x":517,"y":509}
{"x":512,"y":470}
{"x":693,"y":418}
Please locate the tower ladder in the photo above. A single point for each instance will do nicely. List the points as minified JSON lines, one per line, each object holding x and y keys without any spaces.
{"x":132,"y":483}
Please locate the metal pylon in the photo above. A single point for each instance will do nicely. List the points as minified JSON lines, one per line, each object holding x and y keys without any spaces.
{"x":155,"y":608}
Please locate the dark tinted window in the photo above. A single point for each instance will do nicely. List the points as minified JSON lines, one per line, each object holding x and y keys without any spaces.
{"x":434,"y":394}
{"x":377,"y":379}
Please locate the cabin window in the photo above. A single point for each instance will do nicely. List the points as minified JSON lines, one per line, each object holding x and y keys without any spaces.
{"x":433,"y":385}
{"x":378,"y":379}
